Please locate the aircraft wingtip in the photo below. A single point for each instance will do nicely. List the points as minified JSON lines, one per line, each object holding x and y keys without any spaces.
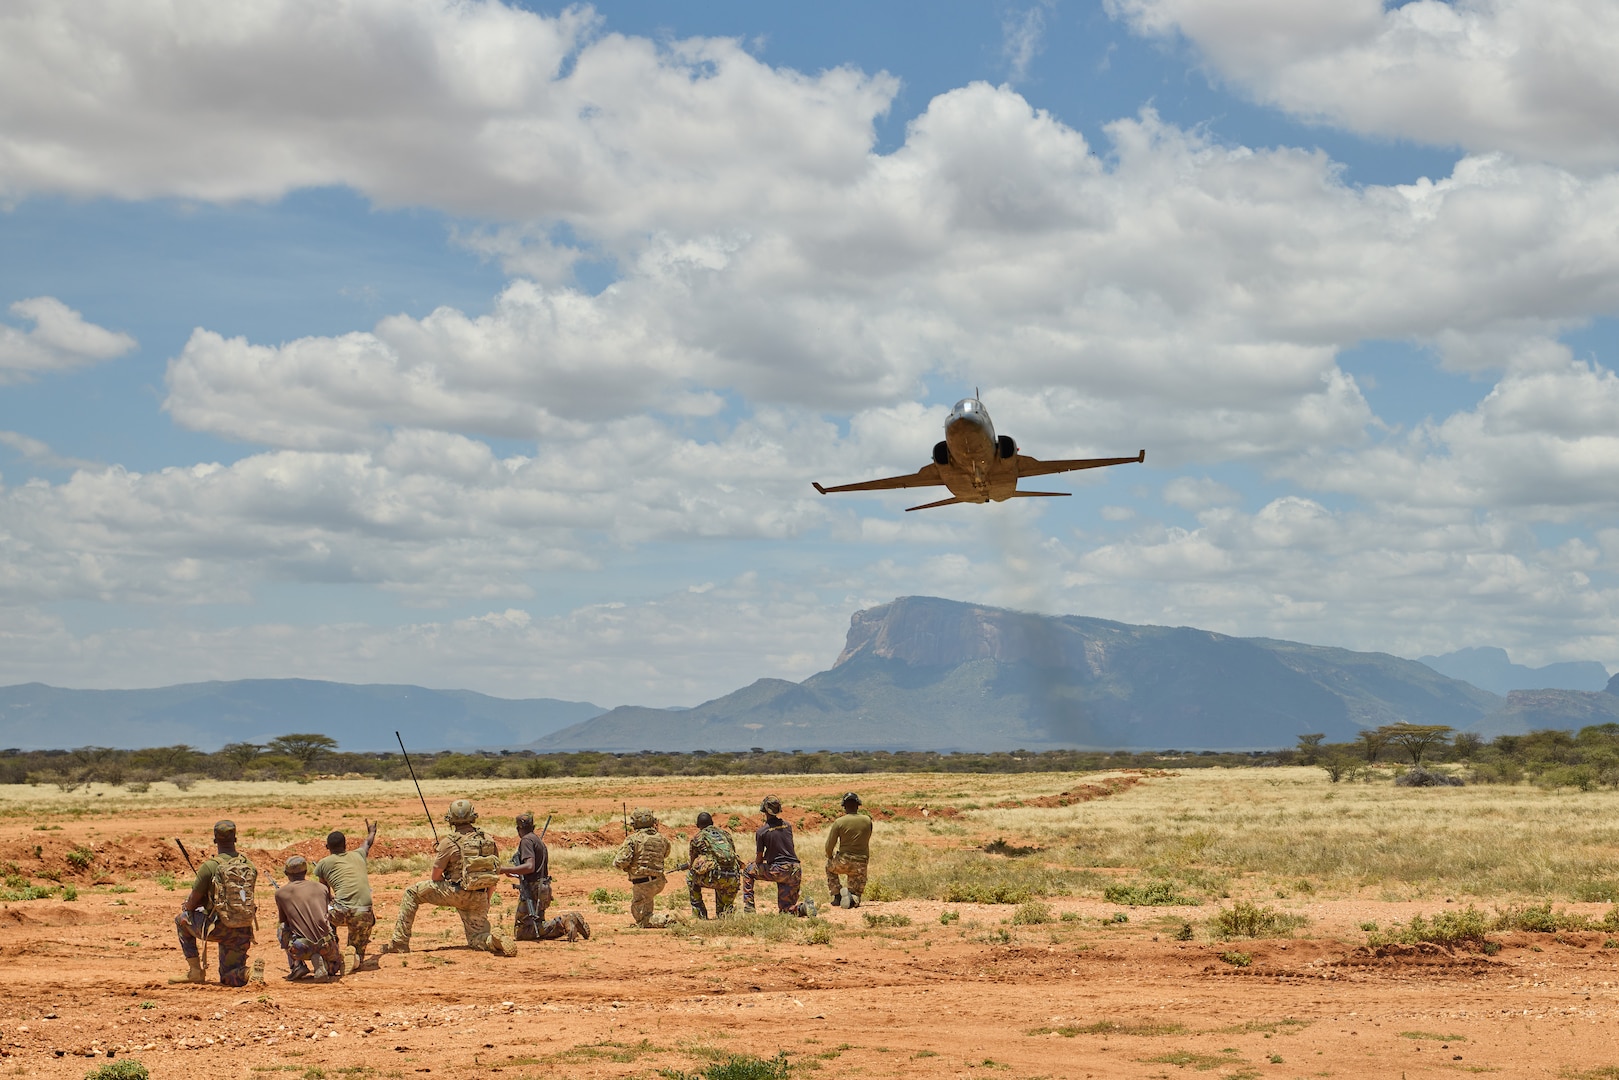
{"x":1142,"y":456}
{"x":818,"y":487}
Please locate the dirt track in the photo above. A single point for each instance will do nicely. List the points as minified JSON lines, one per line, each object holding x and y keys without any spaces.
{"x":928,"y":999}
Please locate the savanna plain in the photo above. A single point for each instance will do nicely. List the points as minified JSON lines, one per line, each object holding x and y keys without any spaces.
{"x":1219,"y":922}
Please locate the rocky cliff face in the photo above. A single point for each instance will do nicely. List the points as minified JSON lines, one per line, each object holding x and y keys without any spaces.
{"x":922,"y":631}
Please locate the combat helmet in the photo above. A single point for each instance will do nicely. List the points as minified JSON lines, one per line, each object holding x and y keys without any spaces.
{"x":642,"y":818}
{"x":771,"y":804}
{"x":461,"y":813}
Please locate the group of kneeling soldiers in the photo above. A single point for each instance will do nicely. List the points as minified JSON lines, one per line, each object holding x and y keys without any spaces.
{"x":221,"y":907}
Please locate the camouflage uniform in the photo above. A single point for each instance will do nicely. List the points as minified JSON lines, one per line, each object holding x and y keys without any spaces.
{"x":848,"y":852}
{"x":466,"y":889}
{"x":776,"y":860}
{"x":708,"y":872}
{"x":199,"y":925}
{"x":642,"y":856}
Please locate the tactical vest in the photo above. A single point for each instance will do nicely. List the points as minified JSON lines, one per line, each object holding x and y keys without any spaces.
{"x":477,"y":860}
{"x":230,"y":893}
{"x":648,"y":856}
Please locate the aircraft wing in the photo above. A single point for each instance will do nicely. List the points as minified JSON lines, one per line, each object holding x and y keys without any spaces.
{"x":1028,"y":466}
{"x":926,"y":476}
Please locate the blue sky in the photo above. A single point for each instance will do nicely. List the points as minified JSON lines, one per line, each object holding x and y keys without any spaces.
{"x":496,"y":346}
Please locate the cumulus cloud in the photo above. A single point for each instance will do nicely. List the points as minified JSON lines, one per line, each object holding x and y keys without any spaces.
{"x":60,"y":340}
{"x":478,"y":108}
{"x":1536,"y":78}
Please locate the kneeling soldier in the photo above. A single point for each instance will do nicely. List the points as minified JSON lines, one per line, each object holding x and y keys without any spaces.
{"x":848,"y":851}
{"x":531,"y":866}
{"x":463,"y":877}
{"x":220,"y":908}
{"x":306,"y":926}
{"x":775,"y":859}
{"x":714,"y":865}
{"x":642,"y":856}
{"x":344,"y":873}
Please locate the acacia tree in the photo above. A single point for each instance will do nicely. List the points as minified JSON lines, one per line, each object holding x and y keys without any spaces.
{"x":240,"y":754}
{"x":1417,"y":739}
{"x":1310,"y":748}
{"x":1372,"y":741}
{"x":305,"y":748}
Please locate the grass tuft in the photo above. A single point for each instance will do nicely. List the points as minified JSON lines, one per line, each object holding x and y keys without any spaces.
{"x":1246,"y":919}
{"x":1112,"y":1027}
{"x":1146,"y":894}
{"x":737,"y":1067}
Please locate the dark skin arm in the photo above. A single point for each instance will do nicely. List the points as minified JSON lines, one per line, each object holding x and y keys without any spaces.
{"x":370,"y":838}
{"x":522,"y":869}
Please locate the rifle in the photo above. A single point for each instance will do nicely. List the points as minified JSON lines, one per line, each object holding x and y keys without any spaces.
{"x":418,"y":784}
{"x":526,"y":901}
{"x":181,"y":844}
{"x":626,"y":819}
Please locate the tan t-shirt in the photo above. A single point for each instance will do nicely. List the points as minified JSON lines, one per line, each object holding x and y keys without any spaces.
{"x":849,"y":835}
{"x":302,"y":906}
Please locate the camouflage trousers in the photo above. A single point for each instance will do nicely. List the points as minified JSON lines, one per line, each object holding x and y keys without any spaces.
{"x":725,"y":888}
{"x":643,"y":894}
{"x":471,"y":904}
{"x":532,"y":925}
{"x":359,"y":920}
{"x":854,"y":866}
{"x":789,"y":879}
{"x":233,"y":944}
{"x":301,"y":950}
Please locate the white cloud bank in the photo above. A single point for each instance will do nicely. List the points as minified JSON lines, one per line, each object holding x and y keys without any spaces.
{"x":1536,"y":78}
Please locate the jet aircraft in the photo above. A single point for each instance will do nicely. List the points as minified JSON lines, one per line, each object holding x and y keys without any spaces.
{"x":977,"y":465}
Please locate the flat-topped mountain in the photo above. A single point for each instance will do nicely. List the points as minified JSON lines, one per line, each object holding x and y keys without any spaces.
{"x":925,"y":673}
{"x":1491,"y":669}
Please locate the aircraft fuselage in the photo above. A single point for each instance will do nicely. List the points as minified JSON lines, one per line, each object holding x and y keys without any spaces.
{"x":976,"y":471}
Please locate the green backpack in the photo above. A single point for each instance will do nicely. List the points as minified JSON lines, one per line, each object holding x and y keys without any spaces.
{"x":230,"y":894}
{"x":724,"y":852}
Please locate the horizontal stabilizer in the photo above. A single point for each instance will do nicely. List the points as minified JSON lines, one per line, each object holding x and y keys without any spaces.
{"x":1041,"y":494}
{"x":931,"y":505}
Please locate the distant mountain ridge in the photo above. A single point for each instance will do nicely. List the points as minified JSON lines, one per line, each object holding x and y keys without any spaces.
{"x":1490,"y":669}
{"x":926,"y":673}
{"x":207,"y":715}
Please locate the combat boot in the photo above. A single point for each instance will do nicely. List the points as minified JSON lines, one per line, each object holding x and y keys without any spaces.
{"x":842,"y":899}
{"x":854,"y":900}
{"x":393,"y":947}
{"x":580,"y":924}
{"x":193,"y":971}
{"x":319,"y":966}
{"x":351,"y":961}
{"x":500,"y":946}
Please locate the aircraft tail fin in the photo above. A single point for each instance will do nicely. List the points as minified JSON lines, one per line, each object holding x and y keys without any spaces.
{"x":931,"y":505}
{"x":1041,"y":494}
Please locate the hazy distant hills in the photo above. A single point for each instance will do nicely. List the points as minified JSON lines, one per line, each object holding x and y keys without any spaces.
{"x":924,"y":673}
{"x":1490,"y":669}
{"x":208,"y":715}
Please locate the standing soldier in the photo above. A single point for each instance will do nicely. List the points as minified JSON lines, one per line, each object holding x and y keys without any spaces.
{"x":714,"y":864}
{"x":642,"y":856}
{"x":463,"y":877}
{"x":531,"y":866}
{"x":306,"y":924}
{"x":848,"y":851}
{"x":344,"y":873}
{"x":775,"y":859}
{"x":220,"y":908}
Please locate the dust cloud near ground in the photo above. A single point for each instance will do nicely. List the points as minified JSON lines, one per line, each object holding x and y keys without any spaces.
{"x":1058,"y":982}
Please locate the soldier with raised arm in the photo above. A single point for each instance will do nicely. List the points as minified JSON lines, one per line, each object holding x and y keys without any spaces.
{"x":345,"y":873}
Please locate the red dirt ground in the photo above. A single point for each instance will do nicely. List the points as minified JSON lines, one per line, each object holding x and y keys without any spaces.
{"x":87,"y":980}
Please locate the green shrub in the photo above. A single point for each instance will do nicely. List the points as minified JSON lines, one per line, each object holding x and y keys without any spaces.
{"x":1032,"y":913}
{"x":1539,"y":919}
{"x":127,"y":1069}
{"x":873,"y":919}
{"x":29,"y":892}
{"x":819,"y":933}
{"x":969,"y":877}
{"x":738,"y":1067}
{"x":947,"y":916}
{"x":81,"y":858}
{"x":1447,"y":928}
{"x":1184,"y":933}
{"x":1246,"y":919}
{"x":1237,"y":959}
{"x":1145,"y":894}
{"x":166,"y":880}
{"x":70,"y":892}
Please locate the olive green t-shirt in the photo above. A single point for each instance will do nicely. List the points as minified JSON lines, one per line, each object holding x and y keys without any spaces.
{"x":849,"y":835}
{"x":345,"y":875}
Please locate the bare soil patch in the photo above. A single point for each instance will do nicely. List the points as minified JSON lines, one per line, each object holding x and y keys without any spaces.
{"x":934,"y":989}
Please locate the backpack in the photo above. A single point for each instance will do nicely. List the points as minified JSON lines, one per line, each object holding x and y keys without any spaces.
{"x":230,"y":894}
{"x":724,"y":852}
{"x":478,"y":860}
